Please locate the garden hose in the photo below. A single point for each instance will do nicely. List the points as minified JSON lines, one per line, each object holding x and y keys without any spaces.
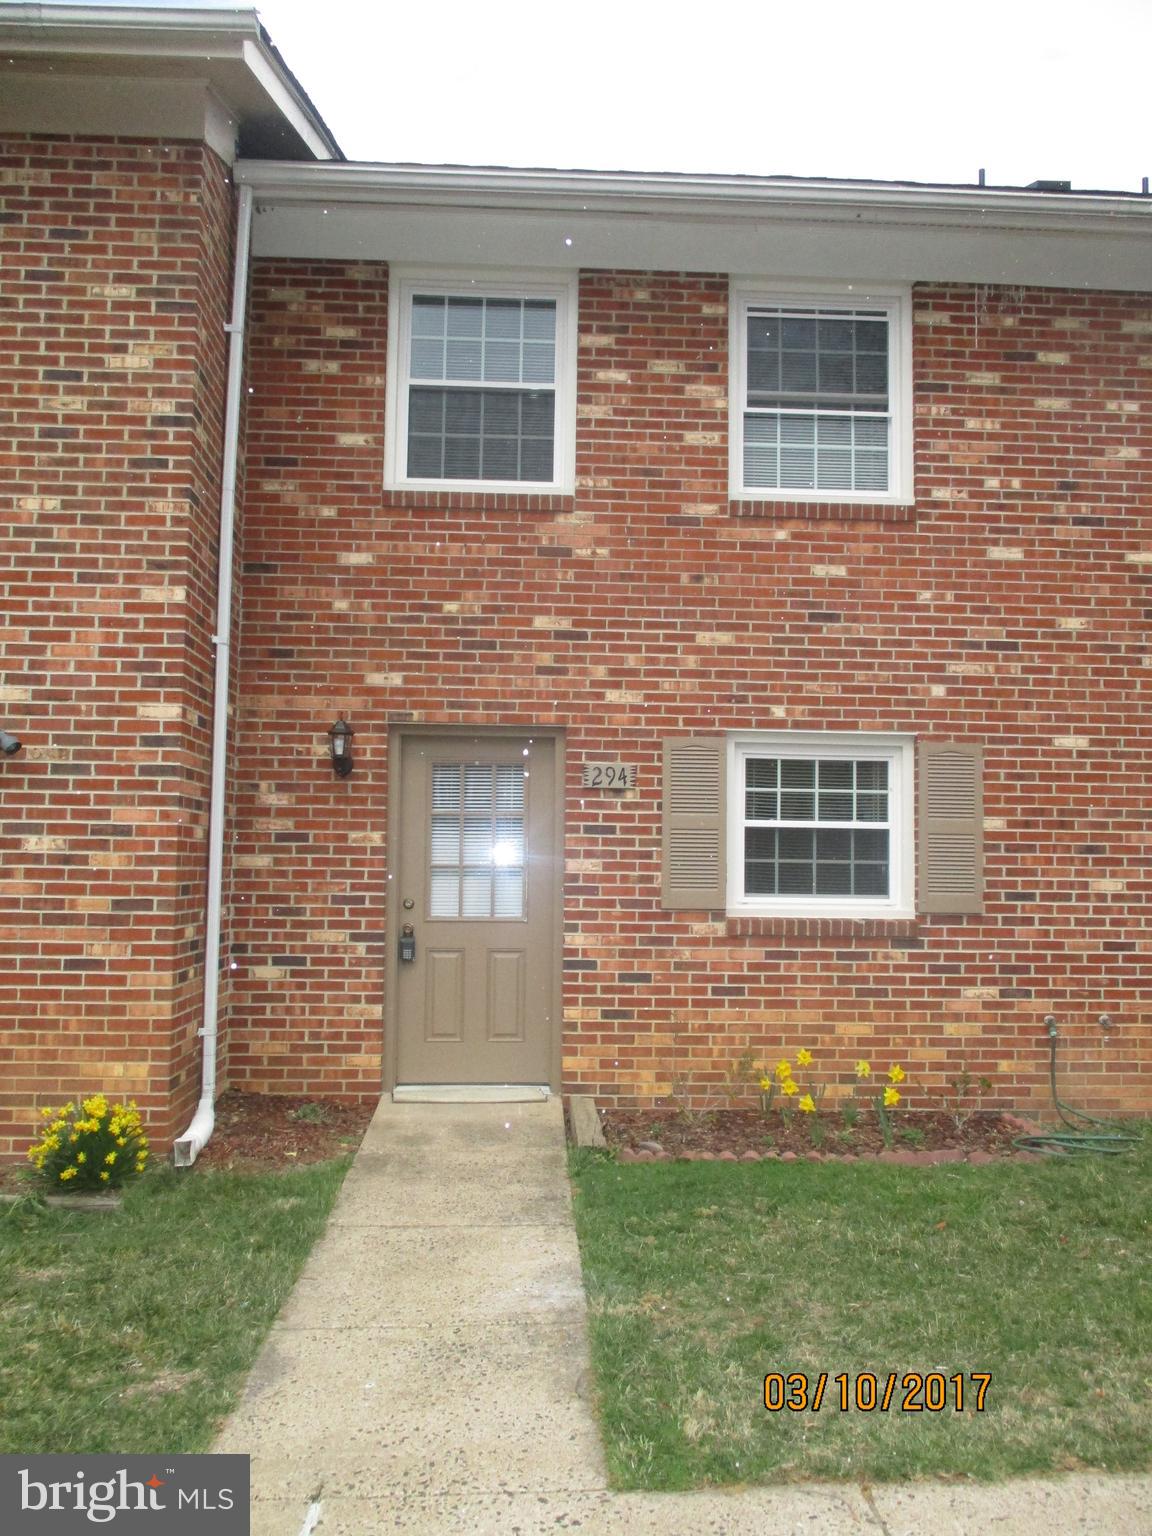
{"x":1107,"y":1143}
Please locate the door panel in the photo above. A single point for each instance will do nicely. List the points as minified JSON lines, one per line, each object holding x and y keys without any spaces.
{"x":477,"y":883}
{"x":506,"y":994}
{"x":444,"y":1005}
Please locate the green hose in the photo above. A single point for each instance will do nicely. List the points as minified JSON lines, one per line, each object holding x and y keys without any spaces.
{"x":1109,"y":1143}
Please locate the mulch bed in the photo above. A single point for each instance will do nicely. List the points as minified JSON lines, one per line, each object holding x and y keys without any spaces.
{"x":263,"y":1131}
{"x":747,"y":1135}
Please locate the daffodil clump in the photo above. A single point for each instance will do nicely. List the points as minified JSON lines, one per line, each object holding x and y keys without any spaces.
{"x":793,"y":1095}
{"x":91,"y":1144}
{"x":887,"y":1098}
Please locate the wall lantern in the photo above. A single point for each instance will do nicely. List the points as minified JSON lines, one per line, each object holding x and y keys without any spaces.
{"x":340,"y":745}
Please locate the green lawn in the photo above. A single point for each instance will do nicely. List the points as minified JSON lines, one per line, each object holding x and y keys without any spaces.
{"x":704,"y":1277}
{"x":133,"y":1332}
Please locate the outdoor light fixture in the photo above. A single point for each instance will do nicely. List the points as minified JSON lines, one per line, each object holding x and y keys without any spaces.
{"x":9,"y":744}
{"x":340,"y":745}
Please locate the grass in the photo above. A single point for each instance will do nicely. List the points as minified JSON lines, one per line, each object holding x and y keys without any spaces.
{"x":704,"y":1277}
{"x":133,"y":1332}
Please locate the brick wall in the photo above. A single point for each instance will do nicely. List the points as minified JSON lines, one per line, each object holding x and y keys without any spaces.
{"x":114,"y":273}
{"x":1011,"y":606}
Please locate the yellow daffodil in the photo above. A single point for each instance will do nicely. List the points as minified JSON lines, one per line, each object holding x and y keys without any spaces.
{"x":783,"y":1071}
{"x":765,"y":1084}
{"x":891,"y":1098}
{"x":895,"y":1074}
{"x":807,"y":1104}
{"x":105,"y":1177}
{"x":803,"y":1058}
{"x":791,"y":1087}
{"x":111,"y":1158}
{"x":863,"y":1069}
{"x":66,"y":1174}
{"x":81,"y":1157}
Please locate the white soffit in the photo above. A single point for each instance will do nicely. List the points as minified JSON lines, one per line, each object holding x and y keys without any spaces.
{"x":110,"y":70}
{"x":566,"y":221}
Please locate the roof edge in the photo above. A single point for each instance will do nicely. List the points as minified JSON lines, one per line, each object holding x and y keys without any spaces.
{"x":684,"y":193}
{"x":169,"y":33}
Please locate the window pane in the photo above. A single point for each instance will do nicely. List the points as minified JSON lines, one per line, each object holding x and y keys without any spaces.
{"x":795,"y":843}
{"x":797,"y":879}
{"x":463,"y":360}
{"x":476,"y":893}
{"x":445,"y":840}
{"x":461,"y":458}
{"x":502,"y":361}
{"x":503,"y":317}
{"x":833,"y":879}
{"x":797,"y":773}
{"x":446,"y":779}
{"x":465,"y":317}
{"x":870,"y":880}
{"x":425,"y":457}
{"x":478,"y":787}
{"x":444,"y":900}
{"x":429,"y":315}
{"x":427,"y":358}
{"x":477,"y":840}
{"x":426,"y":412}
{"x":872,"y":775}
{"x":834,"y":845}
{"x":501,"y":459}
{"x":535,"y":460}
{"x":539,"y":365}
{"x":870,"y":845}
{"x":509,"y":788}
{"x":474,"y":434}
{"x":540,"y":319}
{"x":508,"y":893}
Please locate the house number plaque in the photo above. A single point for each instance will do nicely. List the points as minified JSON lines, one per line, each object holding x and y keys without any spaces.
{"x":609,"y":775}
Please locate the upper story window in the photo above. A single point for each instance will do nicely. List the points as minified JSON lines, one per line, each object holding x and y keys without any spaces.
{"x":481,"y":387}
{"x":821,"y":398}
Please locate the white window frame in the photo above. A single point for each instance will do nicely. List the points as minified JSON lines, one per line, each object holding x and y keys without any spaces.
{"x":403,"y":285}
{"x":898,"y":751}
{"x":896,"y":303}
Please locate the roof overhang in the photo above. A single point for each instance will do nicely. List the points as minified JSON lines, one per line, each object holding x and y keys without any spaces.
{"x":154,"y":71}
{"x":776,"y":226}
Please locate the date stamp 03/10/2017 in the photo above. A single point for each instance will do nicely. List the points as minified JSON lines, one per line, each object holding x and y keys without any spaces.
{"x":867,"y":1392}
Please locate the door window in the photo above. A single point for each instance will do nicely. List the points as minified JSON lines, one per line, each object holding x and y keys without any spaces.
{"x":477,"y":843}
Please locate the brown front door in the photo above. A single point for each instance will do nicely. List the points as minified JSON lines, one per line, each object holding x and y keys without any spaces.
{"x":477,"y":882}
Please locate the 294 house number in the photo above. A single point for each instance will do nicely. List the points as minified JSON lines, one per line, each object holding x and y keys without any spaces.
{"x":609,"y":775}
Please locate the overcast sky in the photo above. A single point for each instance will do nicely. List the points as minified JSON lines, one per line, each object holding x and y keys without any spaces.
{"x":905,"y":91}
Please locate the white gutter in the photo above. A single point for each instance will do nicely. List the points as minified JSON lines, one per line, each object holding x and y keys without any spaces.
{"x":757,"y":197}
{"x":187,"y":1148}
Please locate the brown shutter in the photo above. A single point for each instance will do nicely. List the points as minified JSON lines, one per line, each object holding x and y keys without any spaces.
{"x":692,"y":870}
{"x":951,"y":827}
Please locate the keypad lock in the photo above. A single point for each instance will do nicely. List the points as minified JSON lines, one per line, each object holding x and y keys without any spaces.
{"x":407,"y":942}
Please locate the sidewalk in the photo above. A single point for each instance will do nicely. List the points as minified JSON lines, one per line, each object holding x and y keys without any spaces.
{"x":429,"y":1372}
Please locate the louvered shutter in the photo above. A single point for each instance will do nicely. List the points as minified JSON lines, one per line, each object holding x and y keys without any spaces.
{"x":951,"y":827}
{"x":692,"y":868}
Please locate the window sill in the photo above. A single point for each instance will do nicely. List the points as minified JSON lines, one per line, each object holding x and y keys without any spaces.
{"x":483,"y":501}
{"x":823,"y":927}
{"x":837,"y":511}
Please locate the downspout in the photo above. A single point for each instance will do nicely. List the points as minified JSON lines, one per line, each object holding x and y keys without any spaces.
{"x":187,"y":1148}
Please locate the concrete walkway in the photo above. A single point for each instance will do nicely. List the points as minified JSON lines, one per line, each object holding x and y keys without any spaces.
{"x":429,"y":1373}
